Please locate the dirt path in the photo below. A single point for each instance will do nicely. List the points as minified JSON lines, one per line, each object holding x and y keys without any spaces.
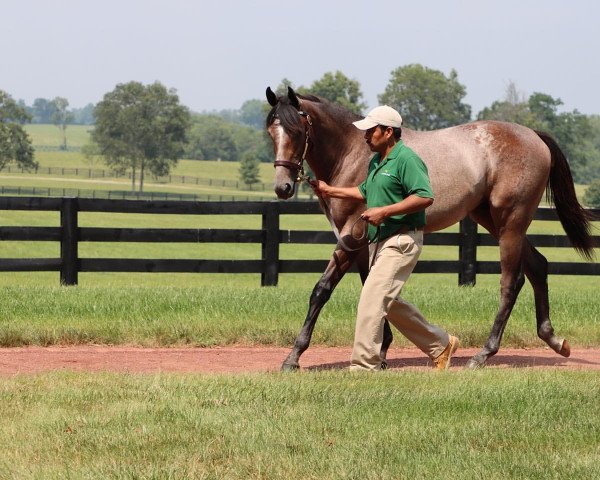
{"x":238,"y":359}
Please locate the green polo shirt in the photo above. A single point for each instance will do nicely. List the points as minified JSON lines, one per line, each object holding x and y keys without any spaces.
{"x":401,"y":174}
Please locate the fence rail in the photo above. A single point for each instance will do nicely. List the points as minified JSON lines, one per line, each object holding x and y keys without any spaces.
{"x":270,"y":237}
{"x":128,"y":195}
{"x":101,"y":173}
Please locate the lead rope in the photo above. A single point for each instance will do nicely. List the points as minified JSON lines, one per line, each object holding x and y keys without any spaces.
{"x":302,"y":177}
{"x":346,"y":248}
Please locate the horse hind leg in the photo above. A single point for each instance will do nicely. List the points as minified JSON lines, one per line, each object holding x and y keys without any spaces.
{"x":512,"y":280}
{"x":536,"y":270}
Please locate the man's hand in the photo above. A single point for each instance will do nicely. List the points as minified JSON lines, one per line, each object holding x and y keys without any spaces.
{"x":375,"y":216}
{"x":319,"y":187}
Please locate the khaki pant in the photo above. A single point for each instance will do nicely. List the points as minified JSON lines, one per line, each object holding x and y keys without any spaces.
{"x":380,"y":299}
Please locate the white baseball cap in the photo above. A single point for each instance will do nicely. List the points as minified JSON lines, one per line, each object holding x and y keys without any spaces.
{"x":382,"y":115}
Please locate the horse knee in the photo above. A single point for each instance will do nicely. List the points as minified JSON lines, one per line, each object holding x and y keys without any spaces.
{"x":320,"y":295}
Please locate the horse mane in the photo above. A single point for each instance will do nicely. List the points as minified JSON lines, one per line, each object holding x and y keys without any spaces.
{"x":291,"y":121}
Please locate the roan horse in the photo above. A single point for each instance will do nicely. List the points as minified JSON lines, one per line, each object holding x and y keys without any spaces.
{"x":494,"y":172}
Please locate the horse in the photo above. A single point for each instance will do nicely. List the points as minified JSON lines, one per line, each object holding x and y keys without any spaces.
{"x":494,"y":172}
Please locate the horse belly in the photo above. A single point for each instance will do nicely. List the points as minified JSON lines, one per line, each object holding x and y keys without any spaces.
{"x":452,"y":203}
{"x":459,"y":186}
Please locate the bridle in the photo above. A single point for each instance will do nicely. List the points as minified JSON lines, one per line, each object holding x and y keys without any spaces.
{"x":298,"y":166}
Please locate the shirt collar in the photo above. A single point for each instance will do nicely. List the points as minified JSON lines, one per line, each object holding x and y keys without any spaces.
{"x":393,"y":154}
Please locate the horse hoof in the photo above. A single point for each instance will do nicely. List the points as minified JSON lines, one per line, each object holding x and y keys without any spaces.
{"x":384,"y":365}
{"x":474,"y":364}
{"x":565,"y":350}
{"x":290,"y":367}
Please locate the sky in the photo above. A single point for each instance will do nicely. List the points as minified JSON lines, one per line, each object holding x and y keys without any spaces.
{"x":217,"y":54}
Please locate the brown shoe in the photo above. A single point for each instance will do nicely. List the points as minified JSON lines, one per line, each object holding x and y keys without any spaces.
{"x":442,"y":362}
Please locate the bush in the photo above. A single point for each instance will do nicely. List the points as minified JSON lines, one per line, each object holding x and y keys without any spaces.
{"x":592,"y":195}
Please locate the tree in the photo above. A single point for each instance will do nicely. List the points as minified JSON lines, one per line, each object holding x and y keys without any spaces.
{"x":42,"y":110}
{"x":139,"y":127}
{"x":571,"y":130}
{"x":252,"y":113}
{"x":578,"y":135}
{"x":15,"y":144}
{"x":513,"y":108}
{"x":592,"y":195}
{"x":426,"y":98}
{"x":282,"y":88}
{"x":61,"y":117}
{"x":84,"y":116}
{"x":337,"y":87}
{"x":211,"y":138}
{"x":249,"y":169}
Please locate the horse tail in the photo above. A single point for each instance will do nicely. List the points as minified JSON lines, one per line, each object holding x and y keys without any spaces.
{"x":561,"y":192}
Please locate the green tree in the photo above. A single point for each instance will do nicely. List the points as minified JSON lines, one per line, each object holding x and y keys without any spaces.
{"x":139,"y":127}
{"x":211,"y":138}
{"x":578,"y":135}
{"x":282,"y":88}
{"x":252,"y":113}
{"x":513,"y":108}
{"x":61,"y":117}
{"x":337,"y":87}
{"x":15,"y":144}
{"x":571,"y":130}
{"x":84,"y":116}
{"x":249,"y":169}
{"x":426,"y":98}
{"x":42,"y":110}
{"x":591,"y":198}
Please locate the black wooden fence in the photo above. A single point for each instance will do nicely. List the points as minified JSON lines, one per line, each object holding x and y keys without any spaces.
{"x":270,"y":236}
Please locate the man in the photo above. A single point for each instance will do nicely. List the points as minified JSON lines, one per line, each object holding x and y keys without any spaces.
{"x":397,"y":191}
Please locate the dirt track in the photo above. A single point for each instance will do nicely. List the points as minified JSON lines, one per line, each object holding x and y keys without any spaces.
{"x":239,"y":359}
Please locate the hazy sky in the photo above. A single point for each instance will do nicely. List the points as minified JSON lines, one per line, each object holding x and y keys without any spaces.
{"x":217,"y":54}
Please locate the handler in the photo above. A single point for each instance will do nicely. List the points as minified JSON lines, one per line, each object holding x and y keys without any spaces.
{"x":397,"y":191}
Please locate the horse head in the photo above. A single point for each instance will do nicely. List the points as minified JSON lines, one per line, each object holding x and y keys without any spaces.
{"x":288,"y":127}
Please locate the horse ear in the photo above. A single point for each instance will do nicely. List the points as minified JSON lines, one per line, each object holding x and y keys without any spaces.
{"x":271,"y":97}
{"x":293,"y":98}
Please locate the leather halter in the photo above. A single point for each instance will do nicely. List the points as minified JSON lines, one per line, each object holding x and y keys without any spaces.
{"x":298,"y":167}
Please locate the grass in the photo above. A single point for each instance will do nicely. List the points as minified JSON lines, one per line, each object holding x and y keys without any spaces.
{"x":537,"y":424}
{"x":49,"y":136}
{"x":218,"y":310}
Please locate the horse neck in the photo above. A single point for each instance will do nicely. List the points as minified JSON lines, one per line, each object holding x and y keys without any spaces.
{"x":332,"y":137}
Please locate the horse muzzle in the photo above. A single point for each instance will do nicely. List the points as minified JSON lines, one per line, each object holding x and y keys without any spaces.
{"x":286,"y":174}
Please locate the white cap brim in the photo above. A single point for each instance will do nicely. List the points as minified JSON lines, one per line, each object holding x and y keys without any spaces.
{"x":365,"y":124}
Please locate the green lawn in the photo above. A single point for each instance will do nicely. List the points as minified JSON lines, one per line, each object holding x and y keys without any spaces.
{"x":192,"y":309}
{"x":509,"y":424}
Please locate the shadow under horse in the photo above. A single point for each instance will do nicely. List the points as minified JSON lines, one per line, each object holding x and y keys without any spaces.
{"x":494,"y":172}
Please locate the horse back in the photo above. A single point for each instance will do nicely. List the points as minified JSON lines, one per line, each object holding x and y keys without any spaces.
{"x":486,"y":161}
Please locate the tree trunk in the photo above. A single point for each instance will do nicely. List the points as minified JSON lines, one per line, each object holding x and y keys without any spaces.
{"x":142,"y":177}
{"x":64,"y":132}
{"x":133,"y":178}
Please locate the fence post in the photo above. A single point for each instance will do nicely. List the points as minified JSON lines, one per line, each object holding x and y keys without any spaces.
{"x":467,"y":252}
{"x":68,"y":241}
{"x":270,"y":245}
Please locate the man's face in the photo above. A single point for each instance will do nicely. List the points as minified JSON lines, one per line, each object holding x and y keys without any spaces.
{"x":377,"y":138}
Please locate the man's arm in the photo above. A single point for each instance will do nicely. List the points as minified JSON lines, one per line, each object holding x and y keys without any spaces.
{"x":411,"y":204}
{"x":322,"y":189}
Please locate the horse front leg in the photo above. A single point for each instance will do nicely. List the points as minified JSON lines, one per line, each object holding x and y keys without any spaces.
{"x":340,"y":263}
